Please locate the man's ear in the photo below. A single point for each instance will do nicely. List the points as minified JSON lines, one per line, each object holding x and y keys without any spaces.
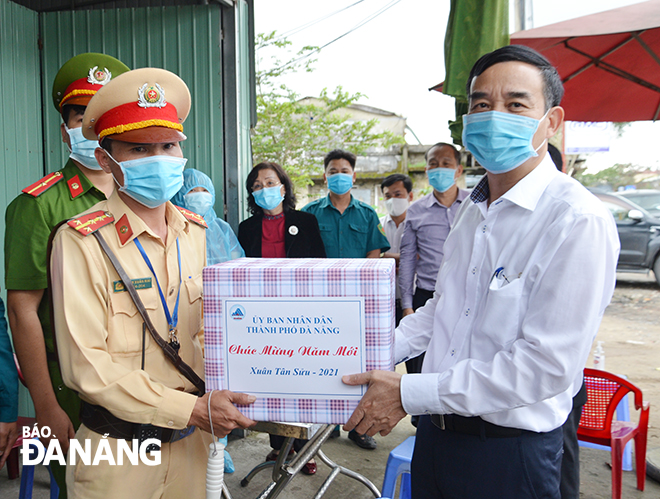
{"x":410,"y":196}
{"x":555,"y":118}
{"x":65,"y":136}
{"x":459,"y":171}
{"x":103,"y":159}
{"x":325,"y":178}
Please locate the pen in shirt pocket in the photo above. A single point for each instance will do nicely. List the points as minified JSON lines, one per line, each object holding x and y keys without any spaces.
{"x":501,"y":276}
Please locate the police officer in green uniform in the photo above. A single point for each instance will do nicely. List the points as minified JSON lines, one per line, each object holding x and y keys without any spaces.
{"x":29,"y":220}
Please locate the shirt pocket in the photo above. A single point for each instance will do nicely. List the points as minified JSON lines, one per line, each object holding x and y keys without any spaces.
{"x":357,"y":239}
{"x":194,"y":288}
{"x":499,"y":326}
{"x":330,"y":240}
{"x":125,"y":322}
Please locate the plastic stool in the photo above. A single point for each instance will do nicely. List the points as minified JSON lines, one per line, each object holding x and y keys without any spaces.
{"x":399,"y":464}
{"x":622,"y":414}
{"x":27,"y":479}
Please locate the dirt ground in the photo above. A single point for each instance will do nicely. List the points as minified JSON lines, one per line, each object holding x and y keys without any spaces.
{"x":630,"y":333}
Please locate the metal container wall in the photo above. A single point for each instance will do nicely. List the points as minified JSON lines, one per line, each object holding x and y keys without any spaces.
{"x":21,"y":153}
{"x":183,"y":39}
{"x":21,"y":150}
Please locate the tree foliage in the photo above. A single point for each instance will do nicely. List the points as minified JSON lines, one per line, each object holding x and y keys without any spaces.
{"x":615,"y":176}
{"x":297,"y":134}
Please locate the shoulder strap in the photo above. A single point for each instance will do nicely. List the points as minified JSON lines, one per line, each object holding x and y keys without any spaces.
{"x":87,"y":224}
{"x":192,"y":216}
{"x":171,"y":354}
{"x":42,"y":185}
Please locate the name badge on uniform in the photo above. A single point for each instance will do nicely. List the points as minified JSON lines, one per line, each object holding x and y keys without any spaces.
{"x":142,"y":283}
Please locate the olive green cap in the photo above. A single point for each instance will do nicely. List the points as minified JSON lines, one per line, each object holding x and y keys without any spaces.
{"x":82,"y":76}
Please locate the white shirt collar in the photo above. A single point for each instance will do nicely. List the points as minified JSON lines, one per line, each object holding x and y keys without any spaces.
{"x":529,"y":189}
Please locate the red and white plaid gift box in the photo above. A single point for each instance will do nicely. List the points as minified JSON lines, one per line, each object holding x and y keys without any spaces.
{"x":369,"y":279}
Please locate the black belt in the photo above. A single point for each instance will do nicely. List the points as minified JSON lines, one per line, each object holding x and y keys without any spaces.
{"x":473,"y":426}
{"x":100,"y":420}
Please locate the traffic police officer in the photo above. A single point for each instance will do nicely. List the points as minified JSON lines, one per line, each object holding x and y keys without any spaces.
{"x":29,"y":221}
{"x":127,"y":385}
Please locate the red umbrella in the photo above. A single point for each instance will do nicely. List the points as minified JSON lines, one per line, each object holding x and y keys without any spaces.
{"x":608,"y":62}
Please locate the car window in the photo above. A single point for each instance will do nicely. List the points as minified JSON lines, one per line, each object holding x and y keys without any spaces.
{"x":648,"y":202}
{"x":618,"y":211}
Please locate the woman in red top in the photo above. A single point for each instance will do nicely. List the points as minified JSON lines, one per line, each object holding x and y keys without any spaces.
{"x":277,"y":230}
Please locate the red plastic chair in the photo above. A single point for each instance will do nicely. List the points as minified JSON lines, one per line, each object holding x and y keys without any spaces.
{"x":12,"y":461}
{"x":605,"y":390}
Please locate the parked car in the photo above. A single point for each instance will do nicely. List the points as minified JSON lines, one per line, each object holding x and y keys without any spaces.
{"x":649,"y":199}
{"x":639,"y":233}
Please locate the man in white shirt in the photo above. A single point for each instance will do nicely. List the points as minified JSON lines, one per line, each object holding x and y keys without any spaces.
{"x":529,"y":268}
{"x":397,"y":191}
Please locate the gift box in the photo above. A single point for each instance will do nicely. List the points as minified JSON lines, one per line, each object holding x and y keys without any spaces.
{"x":286,"y":330}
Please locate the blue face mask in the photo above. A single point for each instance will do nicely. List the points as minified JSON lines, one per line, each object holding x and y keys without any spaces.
{"x":340,"y":183}
{"x":268,"y":198}
{"x":199,"y":202}
{"x":501,"y":142}
{"x":153,"y":180}
{"x":441,"y":179}
{"x":82,"y":149}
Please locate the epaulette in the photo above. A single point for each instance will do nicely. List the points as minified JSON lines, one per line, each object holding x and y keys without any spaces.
{"x":87,"y":224}
{"x":193,"y":217}
{"x":41,"y":186}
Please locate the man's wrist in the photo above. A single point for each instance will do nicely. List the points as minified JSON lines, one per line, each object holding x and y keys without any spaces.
{"x":45,"y":403}
{"x":197,"y":414}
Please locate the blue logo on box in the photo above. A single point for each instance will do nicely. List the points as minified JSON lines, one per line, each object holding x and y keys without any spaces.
{"x":237,"y":312}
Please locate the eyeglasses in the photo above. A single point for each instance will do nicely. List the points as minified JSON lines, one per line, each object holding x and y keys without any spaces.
{"x":269,"y":183}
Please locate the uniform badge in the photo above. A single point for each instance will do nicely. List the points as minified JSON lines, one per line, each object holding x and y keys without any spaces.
{"x":293,"y":230}
{"x":74,"y":186}
{"x":142,"y":283}
{"x":124,"y":230}
{"x":151,"y":96}
{"x":98,"y":76}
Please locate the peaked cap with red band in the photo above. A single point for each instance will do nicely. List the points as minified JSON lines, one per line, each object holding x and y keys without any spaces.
{"x":82,"y":76}
{"x":146,"y":106}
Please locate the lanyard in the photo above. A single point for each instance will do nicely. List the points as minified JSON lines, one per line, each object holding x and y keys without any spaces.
{"x":173,"y":319}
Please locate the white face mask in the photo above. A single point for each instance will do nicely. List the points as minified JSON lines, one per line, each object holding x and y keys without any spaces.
{"x":396,"y":206}
{"x":82,"y":149}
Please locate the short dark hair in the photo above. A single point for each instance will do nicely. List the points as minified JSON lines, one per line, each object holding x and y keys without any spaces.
{"x":394,"y":178}
{"x":106,"y":144}
{"x":557,"y":159}
{"x":553,"y":88}
{"x":67,"y":109}
{"x":457,"y":154}
{"x":339,"y":154}
{"x":289,"y":196}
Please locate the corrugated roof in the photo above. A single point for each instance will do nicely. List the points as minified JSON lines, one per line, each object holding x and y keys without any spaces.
{"x":66,"y":5}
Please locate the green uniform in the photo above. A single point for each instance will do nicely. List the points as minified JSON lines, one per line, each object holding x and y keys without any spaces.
{"x":351,"y":234}
{"x":29,"y":219}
